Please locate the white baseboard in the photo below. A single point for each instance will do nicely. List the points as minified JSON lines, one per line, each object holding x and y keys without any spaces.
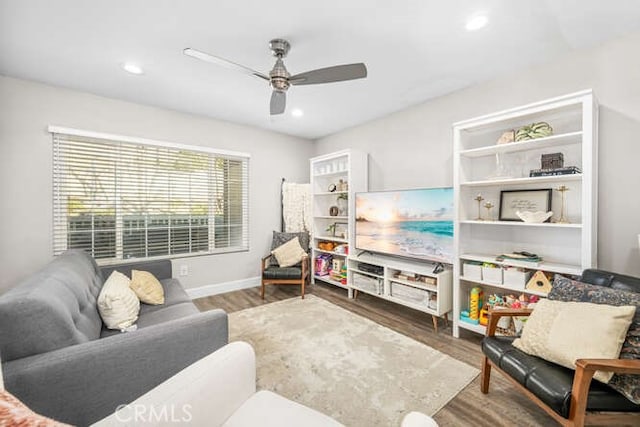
{"x":221,"y":288}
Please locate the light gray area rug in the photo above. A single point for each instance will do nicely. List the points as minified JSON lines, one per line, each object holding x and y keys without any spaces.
{"x":346,"y":366}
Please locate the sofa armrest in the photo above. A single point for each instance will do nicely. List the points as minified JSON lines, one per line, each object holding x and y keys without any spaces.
{"x":83,"y":383}
{"x":585,"y":369}
{"x":207,"y":392}
{"x":495,"y":315}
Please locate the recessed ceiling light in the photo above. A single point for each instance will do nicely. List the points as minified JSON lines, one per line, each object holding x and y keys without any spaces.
{"x":476,"y":22}
{"x":132,"y":68}
{"x":296,"y":112}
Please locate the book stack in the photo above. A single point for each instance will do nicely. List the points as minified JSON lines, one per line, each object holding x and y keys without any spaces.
{"x":567,"y":170}
{"x":522,"y":258}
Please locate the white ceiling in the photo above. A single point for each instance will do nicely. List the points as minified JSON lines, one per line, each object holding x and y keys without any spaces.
{"x":414,"y":50}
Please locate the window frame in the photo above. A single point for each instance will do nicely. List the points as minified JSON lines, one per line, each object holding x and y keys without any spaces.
{"x":116,"y":138}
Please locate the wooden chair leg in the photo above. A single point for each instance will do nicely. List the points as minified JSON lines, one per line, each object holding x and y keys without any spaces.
{"x":486,"y":375}
{"x":262,"y":290}
{"x":302,"y":287}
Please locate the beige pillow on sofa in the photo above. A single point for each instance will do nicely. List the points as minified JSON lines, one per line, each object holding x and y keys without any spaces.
{"x":147,"y":287}
{"x":563,"y":332}
{"x":289,"y":253}
{"x":117,"y":303}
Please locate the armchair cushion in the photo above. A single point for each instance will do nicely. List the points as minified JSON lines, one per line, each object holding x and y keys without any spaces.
{"x":565,"y":289}
{"x":279,"y":238}
{"x":550,"y":382}
{"x":290,"y":253}
{"x":550,"y":332}
{"x":283,"y":273}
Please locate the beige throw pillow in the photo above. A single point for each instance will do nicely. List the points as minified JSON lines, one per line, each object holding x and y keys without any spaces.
{"x":147,"y":287}
{"x":117,"y":303}
{"x":289,"y":254}
{"x":563,"y":332}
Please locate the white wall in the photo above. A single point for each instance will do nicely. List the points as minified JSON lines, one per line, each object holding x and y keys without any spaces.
{"x":413,"y":148}
{"x":27,"y":108}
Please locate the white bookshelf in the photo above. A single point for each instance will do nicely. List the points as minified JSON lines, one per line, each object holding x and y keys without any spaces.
{"x":326,"y":171}
{"x":566,"y":248}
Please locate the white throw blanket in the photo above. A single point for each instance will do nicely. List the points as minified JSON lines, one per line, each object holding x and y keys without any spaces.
{"x":296,"y":211}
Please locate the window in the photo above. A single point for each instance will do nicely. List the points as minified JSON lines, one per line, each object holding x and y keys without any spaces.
{"x":123,"y":198}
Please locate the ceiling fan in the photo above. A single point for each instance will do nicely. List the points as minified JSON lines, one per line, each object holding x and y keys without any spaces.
{"x":280,"y":79}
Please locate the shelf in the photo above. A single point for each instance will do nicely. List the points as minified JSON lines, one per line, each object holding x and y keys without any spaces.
{"x":330,"y":252}
{"x":366,"y":273}
{"x":526,"y":180}
{"x":534,"y":144}
{"x":410,"y":304}
{"x":330,"y":193}
{"x":479,"y":329}
{"x":503,"y":286}
{"x":323,"y":175}
{"x":544,"y":265}
{"x":331,"y":217}
{"x":415,"y":284}
{"x":326,"y":279}
{"x":331,"y":239}
{"x":522,"y":224}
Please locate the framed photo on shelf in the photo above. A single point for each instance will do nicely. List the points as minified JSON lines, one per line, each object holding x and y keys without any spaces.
{"x":340,"y":229}
{"x":512,"y":201}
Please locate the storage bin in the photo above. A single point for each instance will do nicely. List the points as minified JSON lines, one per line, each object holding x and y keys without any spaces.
{"x":367,"y":283}
{"x":472,"y":271}
{"x":516,"y":277}
{"x":492,"y":275}
{"x":410,"y":294}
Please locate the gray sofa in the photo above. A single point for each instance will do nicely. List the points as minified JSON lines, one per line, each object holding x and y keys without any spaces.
{"x":58,"y":358}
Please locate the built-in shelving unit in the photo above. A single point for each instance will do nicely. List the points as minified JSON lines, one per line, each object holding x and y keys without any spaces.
{"x":335,"y":178}
{"x":483,"y":167}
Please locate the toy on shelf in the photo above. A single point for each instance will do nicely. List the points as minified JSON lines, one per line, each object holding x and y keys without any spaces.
{"x":475,"y":305}
{"x":323,"y":264}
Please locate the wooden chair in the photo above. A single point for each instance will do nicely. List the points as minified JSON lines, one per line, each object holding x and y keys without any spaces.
{"x":272,"y":274}
{"x":581,"y":390}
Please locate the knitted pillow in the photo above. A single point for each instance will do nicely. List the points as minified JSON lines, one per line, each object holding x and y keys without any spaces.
{"x":565,"y":289}
{"x":279,"y":238}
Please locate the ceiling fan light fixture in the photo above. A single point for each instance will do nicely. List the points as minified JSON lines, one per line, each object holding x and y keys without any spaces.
{"x":297,"y":112}
{"x":476,"y":22}
{"x":132,"y":68}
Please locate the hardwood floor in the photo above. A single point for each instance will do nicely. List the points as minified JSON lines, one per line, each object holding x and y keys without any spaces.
{"x":503,"y":406}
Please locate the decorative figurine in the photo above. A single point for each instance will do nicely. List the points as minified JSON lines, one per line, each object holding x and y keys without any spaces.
{"x":479,"y":199}
{"x":489,"y":205}
{"x":563,"y":189}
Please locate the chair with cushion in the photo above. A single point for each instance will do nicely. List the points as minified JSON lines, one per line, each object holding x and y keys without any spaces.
{"x":296,"y":270}
{"x":569,"y":395}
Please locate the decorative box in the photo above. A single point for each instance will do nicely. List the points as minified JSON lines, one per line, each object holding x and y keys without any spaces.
{"x":472,"y":271}
{"x":492,"y":275}
{"x":516,"y":276}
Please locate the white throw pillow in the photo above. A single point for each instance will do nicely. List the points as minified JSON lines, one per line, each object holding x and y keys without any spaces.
{"x":117,"y":303}
{"x":290,"y":253}
{"x":563,"y":332}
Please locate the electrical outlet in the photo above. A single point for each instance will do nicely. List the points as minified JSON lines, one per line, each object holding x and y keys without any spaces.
{"x":184,"y":270}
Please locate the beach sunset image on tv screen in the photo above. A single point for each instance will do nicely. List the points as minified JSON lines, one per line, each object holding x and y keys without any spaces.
{"x":409,"y":223}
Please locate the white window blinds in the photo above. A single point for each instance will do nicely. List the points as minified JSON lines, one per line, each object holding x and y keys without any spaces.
{"x":119,"y":199}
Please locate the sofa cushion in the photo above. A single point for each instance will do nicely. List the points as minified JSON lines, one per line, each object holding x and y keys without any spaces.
{"x":550,"y":382}
{"x":565,"y":289}
{"x":148,"y":289}
{"x":550,"y":332}
{"x":167,"y":314}
{"x":267,"y":409}
{"x":53,"y":308}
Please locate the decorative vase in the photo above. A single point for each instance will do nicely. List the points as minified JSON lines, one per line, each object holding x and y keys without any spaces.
{"x":342,"y":207}
{"x":333,"y":211}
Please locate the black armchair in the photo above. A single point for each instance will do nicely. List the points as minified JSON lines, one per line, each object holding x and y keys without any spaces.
{"x":273,"y":274}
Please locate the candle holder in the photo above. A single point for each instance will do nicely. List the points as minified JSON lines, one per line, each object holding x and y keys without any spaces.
{"x":563,"y":220}
{"x":479,"y":199}
{"x":488,"y":206}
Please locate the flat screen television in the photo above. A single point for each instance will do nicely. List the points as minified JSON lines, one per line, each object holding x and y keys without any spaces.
{"x":408,"y":223}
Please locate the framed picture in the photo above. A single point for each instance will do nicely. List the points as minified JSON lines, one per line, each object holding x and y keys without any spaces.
{"x":340,"y":230}
{"x":512,"y":201}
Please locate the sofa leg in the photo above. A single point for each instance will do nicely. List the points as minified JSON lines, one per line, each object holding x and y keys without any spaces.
{"x":486,"y":375}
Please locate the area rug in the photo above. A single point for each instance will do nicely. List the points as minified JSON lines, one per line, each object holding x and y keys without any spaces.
{"x":346,"y":366}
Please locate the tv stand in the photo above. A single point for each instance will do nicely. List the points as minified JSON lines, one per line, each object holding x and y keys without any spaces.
{"x":421,"y":285}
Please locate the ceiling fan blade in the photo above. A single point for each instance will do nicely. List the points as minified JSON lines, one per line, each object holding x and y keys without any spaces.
{"x":223,"y":62}
{"x":330,"y":74}
{"x":278,"y":102}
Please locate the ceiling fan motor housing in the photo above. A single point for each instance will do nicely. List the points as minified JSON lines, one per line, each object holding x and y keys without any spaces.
{"x":279,"y":76}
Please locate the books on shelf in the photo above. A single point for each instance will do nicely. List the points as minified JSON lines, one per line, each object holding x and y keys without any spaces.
{"x":568,"y":170}
{"x":528,"y":259}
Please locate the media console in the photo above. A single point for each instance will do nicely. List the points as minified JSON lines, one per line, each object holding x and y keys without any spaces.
{"x":411,"y":283}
